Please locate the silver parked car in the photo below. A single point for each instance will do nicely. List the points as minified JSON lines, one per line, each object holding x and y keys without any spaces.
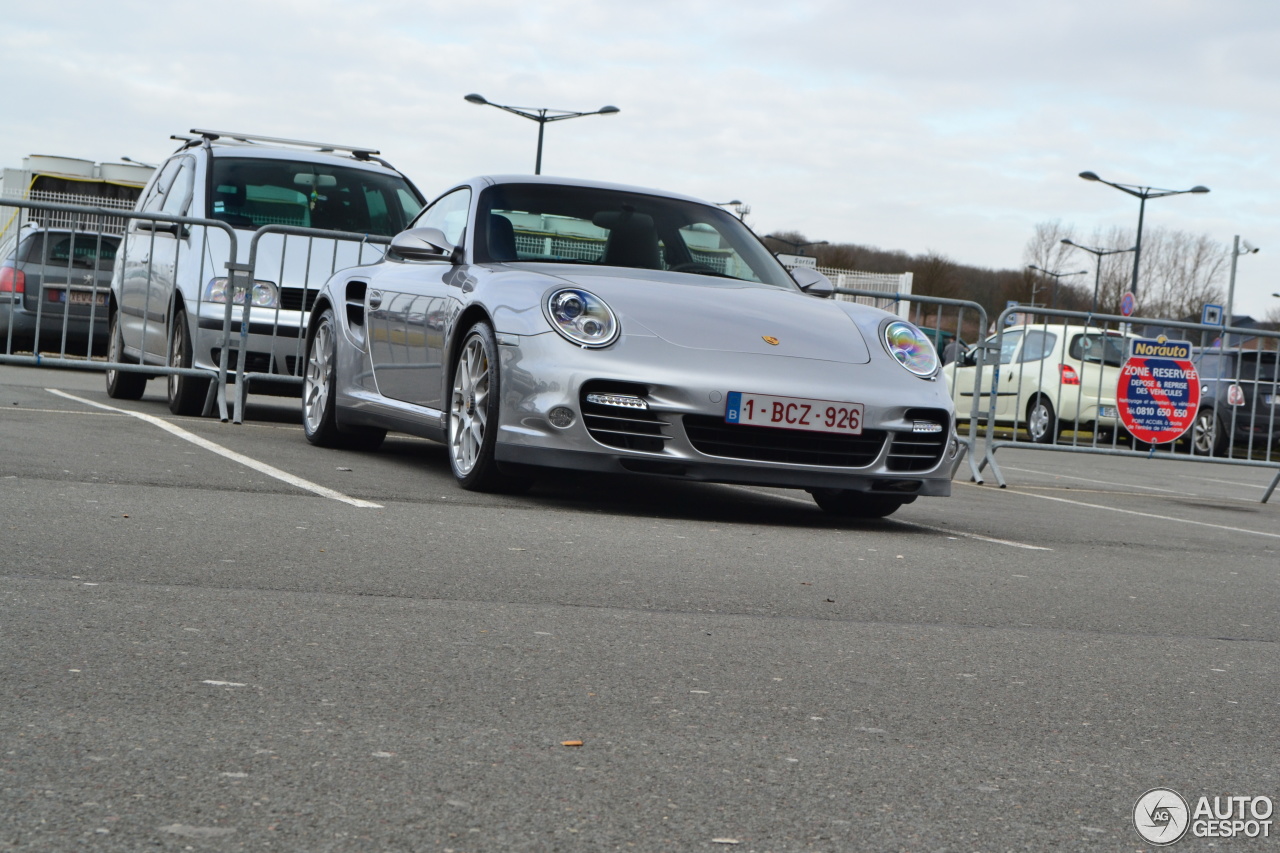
{"x":534,"y":323}
{"x":169,"y":293}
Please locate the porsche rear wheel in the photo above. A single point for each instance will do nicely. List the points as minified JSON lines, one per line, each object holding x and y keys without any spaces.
{"x":851,"y":504}
{"x":319,"y":409}
{"x":474,"y":409}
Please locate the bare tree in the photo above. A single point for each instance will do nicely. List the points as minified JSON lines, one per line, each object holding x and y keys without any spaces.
{"x":1180,"y":272}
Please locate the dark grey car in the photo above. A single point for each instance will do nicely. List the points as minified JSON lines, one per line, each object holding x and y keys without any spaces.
{"x":54,"y":285}
{"x":1238,"y":402}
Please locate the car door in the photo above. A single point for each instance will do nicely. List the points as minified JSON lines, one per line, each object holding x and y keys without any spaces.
{"x":148,"y":263}
{"x":405,"y":305}
{"x":966,"y":385}
{"x":1031,"y":372}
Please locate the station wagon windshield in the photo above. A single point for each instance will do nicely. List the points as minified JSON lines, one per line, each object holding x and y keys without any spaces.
{"x":249,"y":193}
{"x":546,"y":223}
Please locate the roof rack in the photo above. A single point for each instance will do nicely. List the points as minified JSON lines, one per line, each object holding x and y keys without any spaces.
{"x":359,"y":152}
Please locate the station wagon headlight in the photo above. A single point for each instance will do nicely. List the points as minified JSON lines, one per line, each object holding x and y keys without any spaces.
{"x":581,"y":317}
{"x":910,"y":348}
{"x":264,"y":293}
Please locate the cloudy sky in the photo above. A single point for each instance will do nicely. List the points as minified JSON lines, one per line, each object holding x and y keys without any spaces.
{"x":920,"y":125}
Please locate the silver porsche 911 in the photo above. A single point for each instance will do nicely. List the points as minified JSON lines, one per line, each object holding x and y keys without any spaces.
{"x":533,"y":323}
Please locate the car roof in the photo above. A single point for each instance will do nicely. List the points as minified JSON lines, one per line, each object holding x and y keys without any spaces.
{"x":495,"y":180}
{"x":269,"y":148}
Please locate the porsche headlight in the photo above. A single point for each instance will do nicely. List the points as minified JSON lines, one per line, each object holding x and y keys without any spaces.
{"x":262,"y":294}
{"x":910,"y":348}
{"x":581,"y":317}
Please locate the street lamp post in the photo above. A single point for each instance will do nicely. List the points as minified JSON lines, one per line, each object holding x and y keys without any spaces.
{"x":740,"y":208}
{"x":1056,"y":275}
{"x":1142,"y":193}
{"x":541,"y":116}
{"x":1100,"y":254}
{"x":798,"y":246}
{"x":1238,"y":248}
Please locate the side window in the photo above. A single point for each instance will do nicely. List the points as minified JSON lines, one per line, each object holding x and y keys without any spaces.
{"x":449,"y":214}
{"x":156,"y":195}
{"x":1038,"y":345}
{"x":1008,"y":346}
{"x":177,"y":199}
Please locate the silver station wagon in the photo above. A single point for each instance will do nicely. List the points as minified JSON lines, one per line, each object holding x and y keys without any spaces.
{"x":534,"y":324}
{"x":169,"y":293}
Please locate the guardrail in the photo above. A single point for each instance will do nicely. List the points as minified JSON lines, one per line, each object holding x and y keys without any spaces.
{"x":944,"y":324}
{"x":17,"y":312}
{"x":1054,"y":387}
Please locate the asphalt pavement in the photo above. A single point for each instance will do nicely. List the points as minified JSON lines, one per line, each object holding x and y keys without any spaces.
{"x":217,"y":637}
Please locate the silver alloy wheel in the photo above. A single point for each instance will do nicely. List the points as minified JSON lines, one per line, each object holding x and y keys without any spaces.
{"x":115,"y":350}
{"x":1039,"y":420}
{"x":316,"y":385}
{"x":468,"y":406}
{"x":176,"y":348}
{"x":1204,"y":433}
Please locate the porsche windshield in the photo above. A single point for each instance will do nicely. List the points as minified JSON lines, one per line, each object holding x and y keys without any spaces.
{"x":589,"y":225}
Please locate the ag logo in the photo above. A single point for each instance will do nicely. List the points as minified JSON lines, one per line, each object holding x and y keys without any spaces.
{"x":1161,"y":816}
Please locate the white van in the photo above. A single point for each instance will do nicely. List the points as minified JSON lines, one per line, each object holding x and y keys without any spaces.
{"x":171,"y":284}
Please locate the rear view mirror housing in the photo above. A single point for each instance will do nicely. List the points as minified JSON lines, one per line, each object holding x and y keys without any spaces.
{"x":424,"y":244}
{"x":813,"y":282}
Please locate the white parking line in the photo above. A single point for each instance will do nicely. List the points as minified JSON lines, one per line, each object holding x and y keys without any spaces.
{"x":946,"y":530}
{"x":1090,"y":480}
{"x":1144,"y":514}
{"x":261,"y":467}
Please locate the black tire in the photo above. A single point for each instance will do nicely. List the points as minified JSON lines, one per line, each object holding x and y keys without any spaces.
{"x":1207,"y":437}
{"x":473,"y":412}
{"x":850,"y":504}
{"x":186,"y":393}
{"x":122,"y":385}
{"x":319,"y":390}
{"x":1042,"y":420}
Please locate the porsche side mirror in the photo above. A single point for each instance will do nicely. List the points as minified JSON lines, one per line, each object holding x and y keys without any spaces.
{"x":422,"y":244}
{"x":813,"y":282}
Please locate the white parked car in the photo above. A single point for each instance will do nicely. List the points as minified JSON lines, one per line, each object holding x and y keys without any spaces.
{"x":1047,"y":379}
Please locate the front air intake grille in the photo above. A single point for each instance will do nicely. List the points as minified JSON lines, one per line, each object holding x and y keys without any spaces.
{"x":297,"y":298}
{"x":715,"y":437}
{"x":627,"y":427}
{"x":920,"y":450}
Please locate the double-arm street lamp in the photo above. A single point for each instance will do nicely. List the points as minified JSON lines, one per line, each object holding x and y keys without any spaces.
{"x":1100,"y":254}
{"x":1142,"y":193}
{"x":796,"y":245}
{"x":1056,"y":275}
{"x":541,"y":116}
{"x":738,"y":207}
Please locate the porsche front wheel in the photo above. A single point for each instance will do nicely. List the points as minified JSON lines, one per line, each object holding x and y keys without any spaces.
{"x":319,"y":414}
{"x":474,"y":408}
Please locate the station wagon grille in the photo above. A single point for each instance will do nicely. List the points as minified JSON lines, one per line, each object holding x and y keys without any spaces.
{"x":919,"y":451}
{"x":297,"y":298}
{"x":714,"y":437}
{"x":623,"y":426}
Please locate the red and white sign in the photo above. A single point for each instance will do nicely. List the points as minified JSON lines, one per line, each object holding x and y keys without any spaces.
{"x":1159,"y":390}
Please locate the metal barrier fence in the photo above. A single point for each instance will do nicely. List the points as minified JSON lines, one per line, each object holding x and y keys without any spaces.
{"x":181,"y":296}
{"x":1054,"y":380}
{"x":951,"y":317}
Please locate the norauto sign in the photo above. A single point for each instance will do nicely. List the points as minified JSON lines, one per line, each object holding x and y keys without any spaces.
{"x":1159,"y":390}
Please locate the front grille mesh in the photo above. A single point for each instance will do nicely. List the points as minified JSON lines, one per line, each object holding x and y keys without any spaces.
{"x":297,"y":298}
{"x":912,"y":451}
{"x":714,"y":437}
{"x":624,"y":428}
